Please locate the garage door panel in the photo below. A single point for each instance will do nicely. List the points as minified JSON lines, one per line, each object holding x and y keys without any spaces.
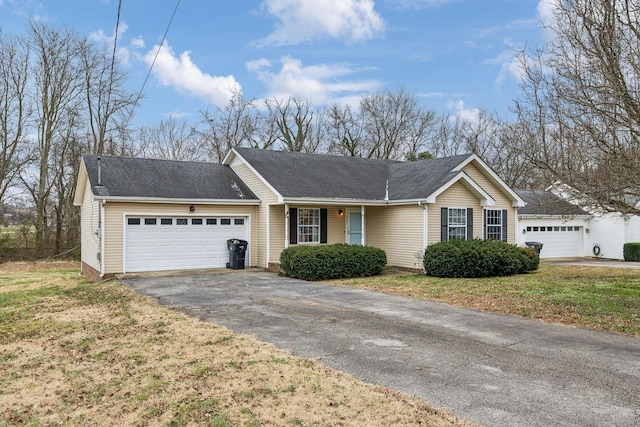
{"x":558,"y":241}
{"x":173,"y":243}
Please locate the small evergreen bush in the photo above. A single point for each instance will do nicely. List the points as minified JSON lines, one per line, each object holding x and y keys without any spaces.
{"x":631,"y":252}
{"x":339,"y":261}
{"x":478,"y":258}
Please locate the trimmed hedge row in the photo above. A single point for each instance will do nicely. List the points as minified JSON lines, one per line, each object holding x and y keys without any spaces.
{"x":339,"y":261}
{"x":478,"y":258}
{"x":631,"y":252}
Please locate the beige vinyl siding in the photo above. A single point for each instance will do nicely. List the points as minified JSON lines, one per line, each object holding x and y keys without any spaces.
{"x":456,"y":196}
{"x":399,"y":231}
{"x":114,"y":225}
{"x":262,"y":221}
{"x":336,"y":225}
{"x":277,"y":234}
{"x":89,"y":217}
{"x":502,"y":201}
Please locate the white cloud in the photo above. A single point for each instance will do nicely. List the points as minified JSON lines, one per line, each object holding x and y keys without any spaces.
{"x":321,"y":84}
{"x":182,"y":74}
{"x":122,"y":53}
{"x":418,"y":4}
{"x":306,"y":20}
{"x":464,"y":113}
{"x":100,"y":36}
{"x":137,"y":42}
{"x":546,"y":14}
{"x":258,"y":64}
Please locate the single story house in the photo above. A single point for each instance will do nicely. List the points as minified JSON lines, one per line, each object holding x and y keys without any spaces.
{"x":567,"y":230}
{"x":148,"y":215}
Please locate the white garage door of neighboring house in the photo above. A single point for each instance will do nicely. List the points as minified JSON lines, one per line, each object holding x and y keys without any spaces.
{"x":558,"y":241}
{"x":154,"y":243}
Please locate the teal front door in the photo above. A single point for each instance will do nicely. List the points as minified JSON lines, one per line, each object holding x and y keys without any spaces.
{"x":355,"y":228}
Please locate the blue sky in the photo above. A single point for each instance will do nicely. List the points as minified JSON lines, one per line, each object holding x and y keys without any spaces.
{"x":455,"y":55}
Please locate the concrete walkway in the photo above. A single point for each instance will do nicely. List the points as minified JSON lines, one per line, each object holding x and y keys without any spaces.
{"x":491,"y":369}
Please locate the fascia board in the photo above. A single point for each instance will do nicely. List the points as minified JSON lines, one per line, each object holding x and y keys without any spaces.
{"x":329,"y":201}
{"x":227,"y":161}
{"x":485,"y":198}
{"x":516,"y":200}
{"x":549,"y":216}
{"x":80,"y":185}
{"x":130,"y":199}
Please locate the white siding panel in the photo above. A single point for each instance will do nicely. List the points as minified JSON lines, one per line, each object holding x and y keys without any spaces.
{"x":90,"y":241}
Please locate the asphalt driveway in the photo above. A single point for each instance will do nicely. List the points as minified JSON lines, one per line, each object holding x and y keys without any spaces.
{"x":492,"y":369}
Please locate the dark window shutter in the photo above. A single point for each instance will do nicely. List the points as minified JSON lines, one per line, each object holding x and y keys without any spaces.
{"x":504,"y":225}
{"x":469,"y":224}
{"x":293,"y":226}
{"x":323,"y":226}
{"x":444,"y":224}
{"x":484,"y":224}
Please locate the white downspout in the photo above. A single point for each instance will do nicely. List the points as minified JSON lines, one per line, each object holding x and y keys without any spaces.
{"x":286,"y":225}
{"x":102,"y":243}
{"x":362,"y":238}
{"x":268,"y":231}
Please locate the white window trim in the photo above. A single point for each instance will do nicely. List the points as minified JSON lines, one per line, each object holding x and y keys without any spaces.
{"x":456,"y":225}
{"x":499,"y":225}
{"x":299,"y":226}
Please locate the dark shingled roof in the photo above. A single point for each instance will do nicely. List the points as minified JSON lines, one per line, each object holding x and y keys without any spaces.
{"x":418,"y":180}
{"x":337,"y":177}
{"x":540,"y":202}
{"x":319,"y":176}
{"x":148,"y":178}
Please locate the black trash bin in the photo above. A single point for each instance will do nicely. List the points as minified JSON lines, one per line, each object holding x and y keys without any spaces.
{"x":537,"y":246}
{"x":237,"y":250}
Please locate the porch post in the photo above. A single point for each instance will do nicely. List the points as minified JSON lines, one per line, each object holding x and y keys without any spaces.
{"x":362,"y":238}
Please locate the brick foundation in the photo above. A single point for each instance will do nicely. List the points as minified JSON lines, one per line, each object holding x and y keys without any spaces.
{"x":93,"y":274}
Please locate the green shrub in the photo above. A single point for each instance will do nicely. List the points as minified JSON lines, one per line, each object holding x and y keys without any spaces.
{"x":339,"y":261}
{"x":478,"y":258}
{"x":631,"y":252}
{"x":532,"y":259}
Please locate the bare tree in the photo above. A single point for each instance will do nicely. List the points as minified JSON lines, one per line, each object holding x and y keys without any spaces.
{"x":447,"y":138}
{"x":344,"y":131}
{"x":235,"y":124}
{"x":172,"y":139}
{"x":57,"y":99}
{"x":581,"y":94}
{"x":14,"y":109}
{"x":394,"y":125}
{"x":107,"y":101}
{"x":293,"y":120}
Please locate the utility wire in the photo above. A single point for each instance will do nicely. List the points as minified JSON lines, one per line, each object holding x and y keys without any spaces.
{"x":113,"y":58}
{"x":164,"y":36}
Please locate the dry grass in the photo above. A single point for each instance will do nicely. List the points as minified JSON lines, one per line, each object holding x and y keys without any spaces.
{"x":604,"y":298}
{"x":75,"y":353}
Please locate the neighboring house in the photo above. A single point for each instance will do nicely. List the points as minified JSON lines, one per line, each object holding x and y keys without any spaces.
{"x":567,"y":230}
{"x":149,"y":215}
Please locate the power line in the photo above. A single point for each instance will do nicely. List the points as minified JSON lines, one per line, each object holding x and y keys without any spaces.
{"x":164,"y":36}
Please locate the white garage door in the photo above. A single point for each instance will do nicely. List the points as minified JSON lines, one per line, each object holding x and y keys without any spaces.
{"x":558,"y":241}
{"x":179,"y":243}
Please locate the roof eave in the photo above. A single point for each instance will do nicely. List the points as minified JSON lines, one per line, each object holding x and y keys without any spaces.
{"x":80,"y":185}
{"x":516,"y":200}
{"x":333,"y":201}
{"x":483,"y":196}
{"x":552,"y":216}
{"x":181,"y":201}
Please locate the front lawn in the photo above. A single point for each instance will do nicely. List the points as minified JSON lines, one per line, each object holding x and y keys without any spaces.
{"x":597,"y":297}
{"x":76,"y":353}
